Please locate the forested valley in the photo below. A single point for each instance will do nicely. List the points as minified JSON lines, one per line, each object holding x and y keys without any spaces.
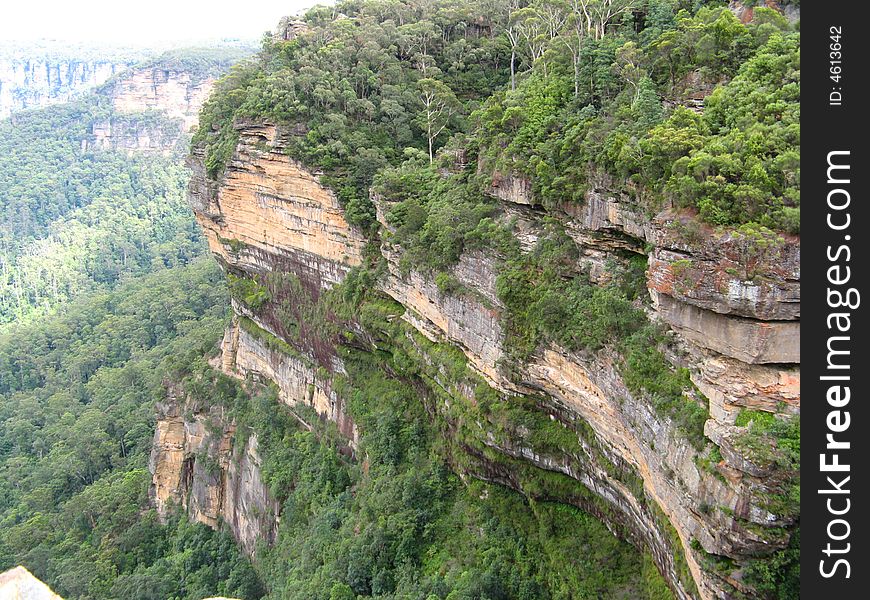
{"x":106,"y":292}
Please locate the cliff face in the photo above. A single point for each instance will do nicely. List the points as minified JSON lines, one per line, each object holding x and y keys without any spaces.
{"x":732,"y":303}
{"x":178,"y":94}
{"x":28,"y":83}
{"x":246,"y":350}
{"x":201,"y":462}
{"x":271,"y":214}
{"x":152,"y":109}
{"x":739,"y":336}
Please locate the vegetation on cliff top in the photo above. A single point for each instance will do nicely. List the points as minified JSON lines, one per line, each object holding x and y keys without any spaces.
{"x":199,"y":63}
{"x":542,"y":90}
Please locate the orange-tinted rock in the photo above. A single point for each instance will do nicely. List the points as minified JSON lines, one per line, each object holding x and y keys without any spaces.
{"x":197,"y":464}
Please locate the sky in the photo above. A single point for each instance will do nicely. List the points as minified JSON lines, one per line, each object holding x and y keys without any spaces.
{"x":142,"y":22}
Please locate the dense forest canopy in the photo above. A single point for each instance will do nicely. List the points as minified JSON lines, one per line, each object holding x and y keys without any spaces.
{"x":76,"y":423}
{"x":559,"y":90}
{"x":101,"y":246}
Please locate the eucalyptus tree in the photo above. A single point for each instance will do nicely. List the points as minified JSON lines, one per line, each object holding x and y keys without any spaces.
{"x":439,"y":105}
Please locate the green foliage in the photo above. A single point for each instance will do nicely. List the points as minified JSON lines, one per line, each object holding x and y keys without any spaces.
{"x":712,"y":42}
{"x":772,"y":440}
{"x":356,"y":105}
{"x":76,"y":422}
{"x":248,"y":291}
{"x":778,"y":576}
{"x":748,"y":167}
{"x":200,"y":63}
{"x":784,"y":431}
{"x":547,"y":303}
{"x":435,"y":225}
{"x":738,"y":162}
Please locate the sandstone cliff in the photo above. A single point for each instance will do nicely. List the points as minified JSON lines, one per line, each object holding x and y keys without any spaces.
{"x":271,"y":215}
{"x":152,"y":108}
{"x":203,"y":464}
{"x":738,"y":334}
{"x":177,"y":93}
{"x":733,"y":311}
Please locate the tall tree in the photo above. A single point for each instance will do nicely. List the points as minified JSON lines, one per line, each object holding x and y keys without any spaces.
{"x":439,"y":104}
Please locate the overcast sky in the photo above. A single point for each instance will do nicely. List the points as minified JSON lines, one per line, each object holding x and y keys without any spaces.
{"x":142,"y":22}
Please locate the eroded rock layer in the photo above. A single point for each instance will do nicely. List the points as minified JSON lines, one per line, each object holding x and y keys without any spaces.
{"x":268,"y":208}
{"x":153,"y":108}
{"x":246,"y":350}
{"x":26,"y":83}
{"x":179,"y":94}
{"x":732,"y":308}
{"x":201,"y":463}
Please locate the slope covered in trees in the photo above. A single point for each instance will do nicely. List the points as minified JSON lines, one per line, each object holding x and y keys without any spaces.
{"x":76,"y":423}
{"x":74,"y":218}
{"x":558,"y":90}
{"x":101,"y":245}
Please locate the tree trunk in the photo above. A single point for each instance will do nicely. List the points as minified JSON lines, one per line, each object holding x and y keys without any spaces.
{"x":576,"y":75}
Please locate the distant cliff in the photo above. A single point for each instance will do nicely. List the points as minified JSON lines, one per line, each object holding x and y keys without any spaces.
{"x":152,"y":107}
{"x":33,"y":76}
{"x":154,"y":103}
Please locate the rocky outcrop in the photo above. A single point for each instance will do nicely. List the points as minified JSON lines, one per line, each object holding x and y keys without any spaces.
{"x":512,"y":188}
{"x":745,"y":9}
{"x":152,"y":111}
{"x":627,"y":426}
{"x":203,"y":464}
{"x":464,"y":319}
{"x":249,"y":348}
{"x":178,"y":94}
{"x":269,"y":210}
{"x":289,"y":28}
{"x":270,"y":215}
{"x":731,"y":301}
{"x":733,"y":298}
{"x":20,"y":584}
{"x":132,"y":134}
